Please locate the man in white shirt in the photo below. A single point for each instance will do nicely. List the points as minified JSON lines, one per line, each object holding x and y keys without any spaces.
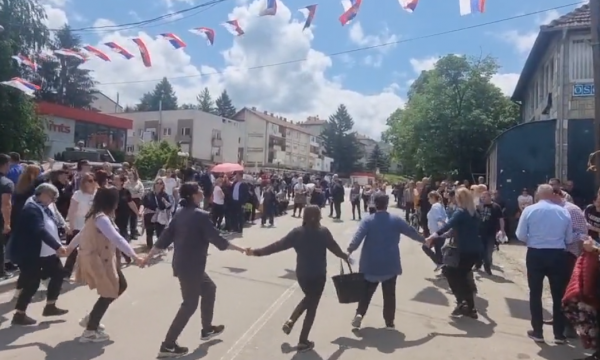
{"x":299,"y":197}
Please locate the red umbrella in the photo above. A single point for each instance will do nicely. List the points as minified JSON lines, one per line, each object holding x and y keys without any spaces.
{"x":227,"y":168}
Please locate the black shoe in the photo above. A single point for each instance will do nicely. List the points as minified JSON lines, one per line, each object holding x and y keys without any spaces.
{"x":52,"y":310}
{"x":287,"y":327}
{"x":212,"y":332}
{"x":560,"y":340}
{"x":488,"y":270}
{"x":21,"y":319}
{"x":305,"y":346}
{"x":537,"y":337}
{"x":472,"y":313}
{"x":171,"y":351}
{"x":458,"y":311}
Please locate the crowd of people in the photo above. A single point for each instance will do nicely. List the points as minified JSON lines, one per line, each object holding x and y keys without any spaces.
{"x":90,"y":217}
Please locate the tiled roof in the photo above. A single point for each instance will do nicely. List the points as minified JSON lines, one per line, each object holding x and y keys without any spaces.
{"x":278,"y":121}
{"x":578,"y":17}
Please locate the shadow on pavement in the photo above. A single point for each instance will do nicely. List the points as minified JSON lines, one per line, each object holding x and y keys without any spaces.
{"x":289,"y":275}
{"x":235,"y":270}
{"x":385,"y":341}
{"x":201,"y":351}
{"x":73,"y":350}
{"x":431,"y":295}
{"x":12,"y":333}
{"x":519,"y":309}
{"x":558,"y":352}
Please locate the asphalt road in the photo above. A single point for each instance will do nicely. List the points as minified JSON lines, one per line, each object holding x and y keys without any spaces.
{"x":256,"y":295}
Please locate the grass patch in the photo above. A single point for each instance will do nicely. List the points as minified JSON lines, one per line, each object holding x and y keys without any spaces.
{"x":393,"y":179}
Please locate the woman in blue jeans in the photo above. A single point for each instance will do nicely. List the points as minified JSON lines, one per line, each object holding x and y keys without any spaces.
{"x":436,"y":218}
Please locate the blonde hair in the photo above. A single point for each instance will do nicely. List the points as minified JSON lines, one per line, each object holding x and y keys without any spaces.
{"x":464,"y":200}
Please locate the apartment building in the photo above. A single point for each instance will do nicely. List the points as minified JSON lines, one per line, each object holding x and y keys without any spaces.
{"x":104,"y":104}
{"x":203,"y":136}
{"x":275,"y":141}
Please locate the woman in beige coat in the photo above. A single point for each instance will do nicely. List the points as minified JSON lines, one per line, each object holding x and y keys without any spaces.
{"x":97,"y":264}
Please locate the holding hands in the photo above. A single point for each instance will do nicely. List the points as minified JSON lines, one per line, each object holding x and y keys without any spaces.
{"x":249,"y":252}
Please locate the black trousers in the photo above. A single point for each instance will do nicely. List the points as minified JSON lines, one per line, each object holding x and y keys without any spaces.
{"x":460,"y":279}
{"x":31,"y":275}
{"x":194,"y":290}
{"x":313,"y":290}
{"x":356,"y":207}
{"x":72,"y":258}
{"x":151,"y":229}
{"x":298,"y":207}
{"x":388,"y":289}
{"x":218,"y":213}
{"x":102,"y":304}
{"x":436,"y":254}
{"x":237,"y":216}
{"x":550,"y":263}
{"x":337,"y":206}
{"x":423,"y":223}
{"x":133,"y":219}
{"x":268,"y":213}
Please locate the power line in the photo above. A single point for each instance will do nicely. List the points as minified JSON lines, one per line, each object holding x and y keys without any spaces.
{"x":364,"y":48}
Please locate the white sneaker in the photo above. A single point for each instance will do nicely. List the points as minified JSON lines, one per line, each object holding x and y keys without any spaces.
{"x":357,"y":321}
{"x":93,"y":336}
{"x":83,"y":322}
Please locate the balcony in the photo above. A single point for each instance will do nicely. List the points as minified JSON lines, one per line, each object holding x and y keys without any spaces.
{"x":217,"y":142}
{"x":216,"y":158}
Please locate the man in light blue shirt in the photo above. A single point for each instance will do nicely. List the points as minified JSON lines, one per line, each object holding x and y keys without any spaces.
{"x":547,"y":229}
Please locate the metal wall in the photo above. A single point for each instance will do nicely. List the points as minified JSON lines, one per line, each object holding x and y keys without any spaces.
{"x":581,"y":144}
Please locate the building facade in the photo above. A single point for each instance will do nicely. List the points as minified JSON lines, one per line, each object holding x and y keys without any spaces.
{"x":203,"y":136}
{"x":557,"y":80}
{"x":66,"y":126}
{"x":104,"y":104}
{"x":275,"y":141}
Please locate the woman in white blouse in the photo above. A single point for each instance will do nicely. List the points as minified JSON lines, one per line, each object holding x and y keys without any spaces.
{"x":80,"y":205}
{"x":218,"y":202}
{"x":136,"y":188}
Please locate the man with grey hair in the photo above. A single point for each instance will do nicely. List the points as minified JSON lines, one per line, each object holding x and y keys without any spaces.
{"x":547,"y":229}
{"x":36,"y":247}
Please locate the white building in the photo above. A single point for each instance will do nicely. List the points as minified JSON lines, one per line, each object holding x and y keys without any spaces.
{"x":274,"y":141}
{"x":204,"y":136}
{"x":104,"y":104}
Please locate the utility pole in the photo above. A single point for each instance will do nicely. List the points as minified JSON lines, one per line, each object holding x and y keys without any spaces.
{"x":595,"y":20}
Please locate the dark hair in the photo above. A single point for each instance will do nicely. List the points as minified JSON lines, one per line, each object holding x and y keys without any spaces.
{"x":81,"y":164}
{"x":312,"y":216}
{"x":555,"y":180}
{"x":187,"y":192}
{"x":101,"y":178}
{"x":15,"y":157}
{"x":4,"y":159}
{"x":435,"y":195}
{"x":105,"y":201}
{"x":451,"y":193}
{"x":381,"y":202}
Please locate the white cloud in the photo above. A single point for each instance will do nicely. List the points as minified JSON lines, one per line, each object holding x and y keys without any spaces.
{"x":296,"y":90}
{"x":523,"y":40}
{"x":56,"y":17}
{"x":506,"y":82}
{"x":379,"y":41}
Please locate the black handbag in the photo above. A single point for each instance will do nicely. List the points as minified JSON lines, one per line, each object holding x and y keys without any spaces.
{"x":351,"y":287}
{"x":450,"y":255}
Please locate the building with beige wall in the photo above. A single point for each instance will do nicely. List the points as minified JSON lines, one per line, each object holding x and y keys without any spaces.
{"x":203,"y":136}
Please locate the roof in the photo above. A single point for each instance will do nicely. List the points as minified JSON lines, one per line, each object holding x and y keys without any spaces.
{"x":276,"y":120}
{"x":579,"y":18}
{"x":65,"y":112}
{"x":97,"y":94}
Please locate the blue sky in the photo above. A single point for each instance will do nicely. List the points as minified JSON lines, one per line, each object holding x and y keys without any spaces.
{"x":372,"y":83}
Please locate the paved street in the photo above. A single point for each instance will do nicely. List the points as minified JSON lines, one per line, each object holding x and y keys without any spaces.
{"x":255,"y":295}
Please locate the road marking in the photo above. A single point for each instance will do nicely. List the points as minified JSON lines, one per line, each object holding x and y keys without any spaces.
{"x":257,"y":326}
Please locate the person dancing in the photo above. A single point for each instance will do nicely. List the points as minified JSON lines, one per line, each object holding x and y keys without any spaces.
{"x":191,"y":231}
{"x":311,"y":242}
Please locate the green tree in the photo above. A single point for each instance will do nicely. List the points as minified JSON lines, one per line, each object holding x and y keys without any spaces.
{"x":156,"y":155}
{"x":378,"y":160}
{"x":224,"y":106}
{"x":21,"y":130}
{"x":452,"y":115}
{"x":205,"y":102}
{"x":162,"y":97}
{"x":340,"y":142}
{"x":63,"y":81}
{"x":187,"y":107}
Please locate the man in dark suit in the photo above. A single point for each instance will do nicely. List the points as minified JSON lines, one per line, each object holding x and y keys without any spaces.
{"x":240,"y":195}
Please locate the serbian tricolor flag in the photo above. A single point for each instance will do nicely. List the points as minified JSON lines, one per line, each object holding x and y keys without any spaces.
{"x":234,"y":27}
{"x":208,"y":33}
{"x":351,"y":8}
{"x":24,"y":60}
{"x":271,"y":8}
{"x":309,"y":13}
{"x":174,"y":40}
{"x":409,"y":5}
{"x":471,"y":6}
{"x":23,"y":85}
{"x":119,"y":50}
{"x":143,"y":51}
{"x":71,"y":53}
{"x":95,"y":51}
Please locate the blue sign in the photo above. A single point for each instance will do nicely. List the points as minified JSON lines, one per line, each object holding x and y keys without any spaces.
{"x":583,"y":90}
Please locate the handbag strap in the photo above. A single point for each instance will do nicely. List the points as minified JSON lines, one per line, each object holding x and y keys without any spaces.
{"x":342,"y":267}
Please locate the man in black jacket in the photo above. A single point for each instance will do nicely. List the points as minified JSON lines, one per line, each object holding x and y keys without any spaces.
{"x":425,"y":206}
{"x":337,"y":196}
{"x":240,"y":195}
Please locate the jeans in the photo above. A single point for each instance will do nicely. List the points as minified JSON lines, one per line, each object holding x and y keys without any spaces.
{"x":72,"y":258}
{"x":103,"y":303}
{"x":550,"y":263}
{"x":388,"y":289}
{"x":31,"y":275}
{"x":436,"y":254}
{"x":194,"y":290}
{"x":312,"y":289}
{"x":151,"y":229}
{"x":268,"y":213}
{"x":410,"y":209}
{"x":355,"y":207}
{"x":460,"y":279}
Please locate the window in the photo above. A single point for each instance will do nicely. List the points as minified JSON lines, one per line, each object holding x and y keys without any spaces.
{"x":216,"y":134}
{"x":186,"y":131}
{"x":130,"y":148}
{"x":580,"y":60}
{"x":166,"y":131}
{"x":141,"y":132}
